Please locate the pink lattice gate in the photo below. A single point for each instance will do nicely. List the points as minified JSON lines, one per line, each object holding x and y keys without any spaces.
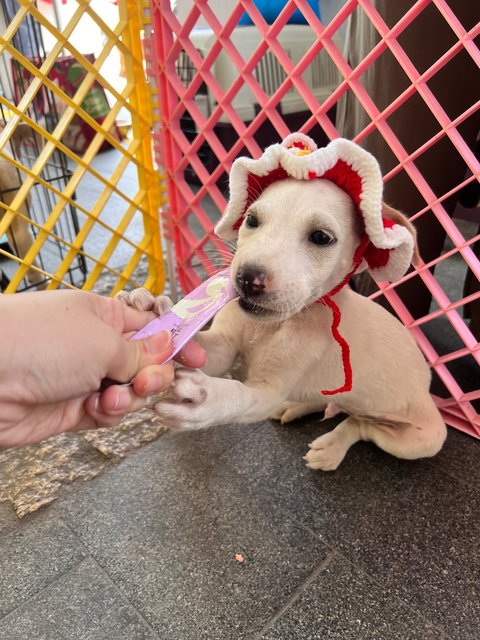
{"x":400,"y":78}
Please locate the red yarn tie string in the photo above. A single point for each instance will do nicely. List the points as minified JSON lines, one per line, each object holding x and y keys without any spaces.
{"x":337,"y":316}
{"x":347,"y":366}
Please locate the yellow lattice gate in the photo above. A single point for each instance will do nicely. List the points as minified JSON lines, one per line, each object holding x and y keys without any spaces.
{"x":79,"y":195}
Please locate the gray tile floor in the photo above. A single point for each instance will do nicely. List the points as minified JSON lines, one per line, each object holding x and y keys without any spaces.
{"x":380,"y":549}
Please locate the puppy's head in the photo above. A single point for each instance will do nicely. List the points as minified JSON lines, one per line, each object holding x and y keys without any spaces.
{"x":296,"y":243}
{"x":305,"y":220}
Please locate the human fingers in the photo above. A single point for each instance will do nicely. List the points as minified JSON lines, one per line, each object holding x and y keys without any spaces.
{"x":107,"y":408}
{"x":128,"y":358}
{"x":121,"y":317}
{"x":133,"y":318}
{"x":192,"y":355}
{"x":153,"y":379}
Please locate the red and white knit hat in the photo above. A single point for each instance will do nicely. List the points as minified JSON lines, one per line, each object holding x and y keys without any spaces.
{"x":388,"y":247}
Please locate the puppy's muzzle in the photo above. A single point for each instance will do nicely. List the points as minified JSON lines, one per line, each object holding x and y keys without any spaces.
{"x":250,"y":281}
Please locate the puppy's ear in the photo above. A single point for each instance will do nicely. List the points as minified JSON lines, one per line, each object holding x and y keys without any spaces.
{"x":392,"y":214}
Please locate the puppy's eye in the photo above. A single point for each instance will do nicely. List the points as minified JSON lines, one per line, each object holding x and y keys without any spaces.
{"x":251,"y":221}
{"x":321,"y":238}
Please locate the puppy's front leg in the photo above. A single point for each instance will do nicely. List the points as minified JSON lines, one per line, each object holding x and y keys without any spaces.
{"x":223,"y":340}
{"x":221,"y":350}
{"x":197,"y":401}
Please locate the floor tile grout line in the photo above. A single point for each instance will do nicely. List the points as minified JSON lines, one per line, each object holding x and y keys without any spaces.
{"x":45,"y":588}
{"x":107,"y":576}
{"x":400,"y":599}
{"x":229,"y":447}
{"x":337,"y":553}
{"x":436,"y":463}
{"x":58,"y":520}
{"x":340,"y":554}
{"x":294,"y":596}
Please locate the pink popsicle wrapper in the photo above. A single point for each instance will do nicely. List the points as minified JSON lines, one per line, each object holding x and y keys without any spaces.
{"x":188,"y":316}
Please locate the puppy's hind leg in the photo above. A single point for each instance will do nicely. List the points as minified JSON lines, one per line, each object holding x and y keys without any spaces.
{"x":422,"y":437}
{"x":327,"y":451}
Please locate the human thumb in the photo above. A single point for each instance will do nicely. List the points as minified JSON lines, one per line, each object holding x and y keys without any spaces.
{"x":132,"y":356}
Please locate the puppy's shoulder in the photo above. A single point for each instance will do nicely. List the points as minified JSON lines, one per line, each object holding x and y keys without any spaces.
{"x":371,"y":319}
{"x":356,"y":303}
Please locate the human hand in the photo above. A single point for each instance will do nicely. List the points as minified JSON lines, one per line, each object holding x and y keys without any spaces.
{"x":58,"y":346}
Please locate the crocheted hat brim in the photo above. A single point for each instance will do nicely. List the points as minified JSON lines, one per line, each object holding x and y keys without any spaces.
{"x":389,"y":253}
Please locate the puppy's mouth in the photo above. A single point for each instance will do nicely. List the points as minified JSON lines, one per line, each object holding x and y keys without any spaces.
{"x":254,"y":308}
{"x":275,"y":313}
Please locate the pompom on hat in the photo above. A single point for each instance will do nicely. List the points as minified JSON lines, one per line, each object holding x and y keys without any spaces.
{"x":387,"y":248}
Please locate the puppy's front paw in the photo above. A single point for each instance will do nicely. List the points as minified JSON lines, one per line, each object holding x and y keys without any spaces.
{"x":189,"y":386}
{"x":183,"y":407}
{"x":326,"y":452}
{"x":143,"y":300}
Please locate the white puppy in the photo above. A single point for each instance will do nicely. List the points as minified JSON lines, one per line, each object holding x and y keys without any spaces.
{"x":296,"y":244}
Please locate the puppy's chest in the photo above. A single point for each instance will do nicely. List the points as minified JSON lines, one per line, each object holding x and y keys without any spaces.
{"x":301,"y":347}
{"x":239,"y":368}
{"x":267,"y":350}
{"x":259,"y":347}
{"x":247,"y":355}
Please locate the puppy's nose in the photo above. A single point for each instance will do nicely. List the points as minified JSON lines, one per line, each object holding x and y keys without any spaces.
{"x":250,"y":281}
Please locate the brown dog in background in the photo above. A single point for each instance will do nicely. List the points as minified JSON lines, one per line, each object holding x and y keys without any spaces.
{"x":18,"y":233}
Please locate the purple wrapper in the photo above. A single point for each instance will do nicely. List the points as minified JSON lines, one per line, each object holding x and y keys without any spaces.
{"x":188,"y":316}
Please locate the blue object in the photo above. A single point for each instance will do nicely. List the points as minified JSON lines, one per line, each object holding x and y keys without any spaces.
{"x":270,"y":9}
